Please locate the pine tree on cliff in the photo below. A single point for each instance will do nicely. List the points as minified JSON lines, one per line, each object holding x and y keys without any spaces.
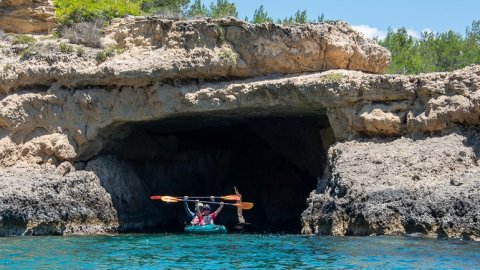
{"x":160,"y":6}
{"x":298,"y":17}
{"x":404,"y":50}
{"x":198,"y":9}
{"x":223,"y":8}
{"x":261,"y":16}
{"x":473,"y":42}
{"x":432,"y":52}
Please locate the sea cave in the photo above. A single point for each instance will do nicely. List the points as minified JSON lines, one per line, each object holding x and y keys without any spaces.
{"x":273,"y":160}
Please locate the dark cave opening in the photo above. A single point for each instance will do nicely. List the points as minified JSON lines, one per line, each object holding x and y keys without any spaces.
{"x":273,"y":161}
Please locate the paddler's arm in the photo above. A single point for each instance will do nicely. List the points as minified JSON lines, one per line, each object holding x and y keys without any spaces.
{"x":219,"y":209}
{"x":197,"y":209}
{"x":187,"y":209}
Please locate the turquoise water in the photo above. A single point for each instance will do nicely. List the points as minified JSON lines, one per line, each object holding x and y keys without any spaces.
{"x":172,"y":251}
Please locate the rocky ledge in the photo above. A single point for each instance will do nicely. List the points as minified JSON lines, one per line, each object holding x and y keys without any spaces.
{"x":200,"y":106}
{"x":144,"y":50}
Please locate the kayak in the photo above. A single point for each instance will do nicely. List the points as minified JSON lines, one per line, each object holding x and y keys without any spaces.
{"x":206,"y":229}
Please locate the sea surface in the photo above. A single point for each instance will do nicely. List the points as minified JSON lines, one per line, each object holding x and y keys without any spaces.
{"x":236,"y":251}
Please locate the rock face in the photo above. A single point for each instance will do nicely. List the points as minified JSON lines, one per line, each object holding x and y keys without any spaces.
{"x":129,"y":195}
{"x":55,"y":125}
{"x":26,"y":16}
{"x":155,"y":50}
{"x":203,"y":105}
{"x":259,"y":49}
{"x":425,"y":185}
{"x":41,"y":201}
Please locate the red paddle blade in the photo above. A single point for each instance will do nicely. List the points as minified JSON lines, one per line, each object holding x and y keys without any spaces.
{"x":231,"y":198}
{"x":244,"y":205}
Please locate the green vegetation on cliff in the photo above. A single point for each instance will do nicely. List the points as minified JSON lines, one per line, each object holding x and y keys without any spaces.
{"x":198,"y":9}
{"x":432,"y":51}
{"x":220,"y":9}
{"x":261,"y":16}
{"x":163,"y":6}
{"x":72,"y":11}
{"x":298,"y":17}
{"x":223,"y":8}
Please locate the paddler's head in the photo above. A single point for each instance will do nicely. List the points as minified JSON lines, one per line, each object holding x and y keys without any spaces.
{"x":206,"y":209}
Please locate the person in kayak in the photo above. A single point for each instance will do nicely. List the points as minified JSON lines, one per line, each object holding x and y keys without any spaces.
{"x":204,"y":215}
{"x":195,"y":220}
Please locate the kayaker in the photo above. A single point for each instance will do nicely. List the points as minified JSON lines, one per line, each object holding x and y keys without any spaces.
{"x":195,"y":220}
{"x":204,"y":215}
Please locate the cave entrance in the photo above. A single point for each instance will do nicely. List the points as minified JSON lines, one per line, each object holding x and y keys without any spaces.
{"x":273,"y":161}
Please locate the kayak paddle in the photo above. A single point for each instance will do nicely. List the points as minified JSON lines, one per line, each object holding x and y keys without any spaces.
{"x":170,"y":199}
{"x":226,"y":197}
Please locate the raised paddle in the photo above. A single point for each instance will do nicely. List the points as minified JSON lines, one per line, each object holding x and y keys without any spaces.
{"x":226,"y":197}
{"x":169,"y":199}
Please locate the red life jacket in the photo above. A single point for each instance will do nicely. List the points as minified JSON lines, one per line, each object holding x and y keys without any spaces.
{"x":208,"y":219}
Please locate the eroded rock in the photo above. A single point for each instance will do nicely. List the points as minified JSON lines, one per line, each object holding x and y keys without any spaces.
{"x":40,"y":201}
{"x":406,"y":185}
{"x":152,"y":50}
{"x":26,"y":16}
{"x":61,"y":125}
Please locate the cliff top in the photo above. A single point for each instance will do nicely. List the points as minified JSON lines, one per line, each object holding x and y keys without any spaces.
{"x":139,"y":51}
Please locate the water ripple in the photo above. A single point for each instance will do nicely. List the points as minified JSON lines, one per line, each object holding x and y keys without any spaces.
{"x":174,"y":251}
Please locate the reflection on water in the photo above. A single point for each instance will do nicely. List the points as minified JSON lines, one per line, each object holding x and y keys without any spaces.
{"x":236,"y":251}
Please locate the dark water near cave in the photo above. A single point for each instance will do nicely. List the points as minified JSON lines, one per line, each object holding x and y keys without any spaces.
{"x":236,"y":251}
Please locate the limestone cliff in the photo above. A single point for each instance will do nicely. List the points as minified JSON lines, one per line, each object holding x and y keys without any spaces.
{"x":151,"y":50}
{"x":26,"y":16}
{"x":56,"y":124}
{"x":200,"y":106}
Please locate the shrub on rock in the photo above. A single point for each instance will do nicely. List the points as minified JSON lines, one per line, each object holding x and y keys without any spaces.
{"x":86,"y":33}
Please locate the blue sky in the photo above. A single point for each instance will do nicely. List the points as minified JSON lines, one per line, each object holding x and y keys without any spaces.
{"x":373,"y":17}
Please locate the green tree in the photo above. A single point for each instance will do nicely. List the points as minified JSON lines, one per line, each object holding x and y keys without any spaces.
{"x":261,"y":16}
{"x":404,"y":50}
{"x":298,"y":17}
{"x":223,"y":8}
{"x":197,"y":9}
{"x":473,"y":31}
{"x":472,"y":43}
{"x":426,"y":52}
{"x":301,"y":17}
{"x":158,"y":6}
{"x":450,"y":52}
{"x":432,"y":52}
{"x":321,"y":18}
